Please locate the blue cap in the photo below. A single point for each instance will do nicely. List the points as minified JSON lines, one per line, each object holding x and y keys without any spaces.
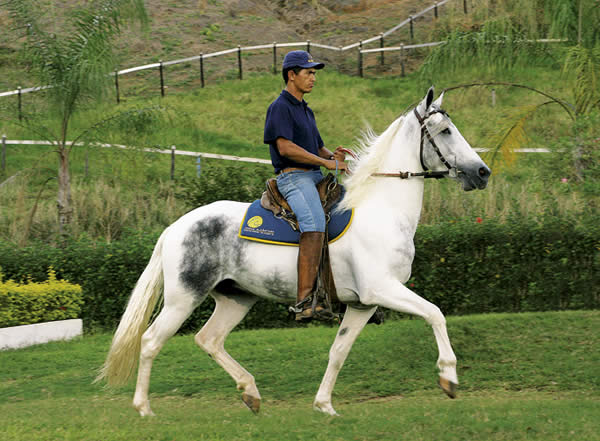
{"x":300,"y":59}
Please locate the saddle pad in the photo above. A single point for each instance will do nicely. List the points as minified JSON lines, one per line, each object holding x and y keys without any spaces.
{"x":261,"y":225}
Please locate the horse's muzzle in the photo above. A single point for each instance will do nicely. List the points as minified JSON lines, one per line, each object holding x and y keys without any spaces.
{"x":475,"y":178}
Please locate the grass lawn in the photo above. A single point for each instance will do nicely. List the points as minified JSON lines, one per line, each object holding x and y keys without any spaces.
{"x":523,"y":376}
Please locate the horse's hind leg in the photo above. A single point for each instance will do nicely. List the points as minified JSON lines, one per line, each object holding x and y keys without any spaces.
{"x":354,"y":321}
{"x":164,"y":327}
{"x":229,"y":311}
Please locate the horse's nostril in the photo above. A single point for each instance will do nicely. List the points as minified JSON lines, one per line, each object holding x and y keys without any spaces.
{"x":483,"y":172}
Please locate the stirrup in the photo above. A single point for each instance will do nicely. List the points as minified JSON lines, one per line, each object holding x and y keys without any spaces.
{"x":300,"y":306}
{"x":309,"y":309}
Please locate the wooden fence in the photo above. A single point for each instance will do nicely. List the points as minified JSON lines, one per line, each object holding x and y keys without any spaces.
{"x":201,"y":58}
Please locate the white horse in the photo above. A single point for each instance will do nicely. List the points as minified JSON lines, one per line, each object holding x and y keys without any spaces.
{"x":201,"y":254}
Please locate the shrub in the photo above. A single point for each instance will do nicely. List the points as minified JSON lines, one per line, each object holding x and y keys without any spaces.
{"x":462,"y":267}
{"x":474,"y":267}
{"x":32,"y":302}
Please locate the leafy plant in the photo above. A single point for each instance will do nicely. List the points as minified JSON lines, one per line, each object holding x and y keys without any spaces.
{"x":74,"y":66}
{"x":225,"y":181}
{"x":31,"y":302}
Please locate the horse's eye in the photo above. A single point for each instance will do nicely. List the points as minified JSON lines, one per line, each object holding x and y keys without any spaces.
{"x":446,"y":131}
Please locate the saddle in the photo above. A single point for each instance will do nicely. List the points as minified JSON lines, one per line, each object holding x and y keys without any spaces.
{"x":329,"y":193}
{"x":272,"y":200}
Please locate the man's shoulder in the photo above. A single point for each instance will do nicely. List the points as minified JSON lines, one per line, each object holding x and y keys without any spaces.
{"x":279,"y":106}
{"x":280,"y":101}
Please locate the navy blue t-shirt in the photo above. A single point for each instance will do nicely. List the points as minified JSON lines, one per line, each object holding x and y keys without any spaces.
{"x":293,"y":120}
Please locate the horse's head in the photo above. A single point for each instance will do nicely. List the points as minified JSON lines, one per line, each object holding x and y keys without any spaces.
{"x":444,"y":149}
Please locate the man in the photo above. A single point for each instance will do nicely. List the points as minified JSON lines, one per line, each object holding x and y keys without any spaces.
{"x":297,"y":153}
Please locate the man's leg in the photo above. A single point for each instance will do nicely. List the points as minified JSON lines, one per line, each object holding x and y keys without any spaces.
{"x":299,"y":189}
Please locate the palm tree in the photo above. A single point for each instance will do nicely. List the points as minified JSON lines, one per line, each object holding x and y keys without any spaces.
{"x":75,"y":65}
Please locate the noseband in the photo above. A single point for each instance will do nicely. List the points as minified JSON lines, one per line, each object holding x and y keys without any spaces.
{"x":426,"y":173}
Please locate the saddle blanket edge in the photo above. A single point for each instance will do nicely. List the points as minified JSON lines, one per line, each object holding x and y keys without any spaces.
{"x":261,"y":225}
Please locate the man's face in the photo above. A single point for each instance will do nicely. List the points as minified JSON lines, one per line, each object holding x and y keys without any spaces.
{"x":304,"y":80}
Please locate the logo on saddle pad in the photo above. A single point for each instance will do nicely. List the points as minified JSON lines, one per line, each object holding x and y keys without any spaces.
{"x":255,"y":222}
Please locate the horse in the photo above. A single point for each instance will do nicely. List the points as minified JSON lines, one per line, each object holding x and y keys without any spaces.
{"x":201,"y":254}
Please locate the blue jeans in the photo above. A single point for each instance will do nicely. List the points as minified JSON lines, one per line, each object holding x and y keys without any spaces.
{"x":300,"y":190}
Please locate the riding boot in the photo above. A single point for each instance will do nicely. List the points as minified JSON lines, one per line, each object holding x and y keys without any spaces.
{"x":309,"y":258}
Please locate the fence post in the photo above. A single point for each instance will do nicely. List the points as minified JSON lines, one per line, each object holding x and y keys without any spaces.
{"x":402,"y":59}
{"x":87,"y":162}
{"x":117,"y":85}
{"x":240,"y":60}
{"x":274,"y":58}
{"x":360,"y":60}
{"x":435,"y":10}
{"x":19,"y":103}
{"x":162,"y":79}
{"x":198,"y":166}
{"x":3,"y":156}
{"x":201,"y":69}
{"x":381,"y":46}
{"x":308,"y":46}
{"x":412,"y":30}
{"x":465,"y":6}
{"x":172,"y":162}
{"x":493,"y":97}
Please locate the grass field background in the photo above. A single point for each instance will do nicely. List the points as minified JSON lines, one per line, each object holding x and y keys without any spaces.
{"x":133,"y":190}
{"x":523,"y":376}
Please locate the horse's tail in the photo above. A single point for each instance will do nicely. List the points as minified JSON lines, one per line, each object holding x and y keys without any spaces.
{"x":124,"y":351}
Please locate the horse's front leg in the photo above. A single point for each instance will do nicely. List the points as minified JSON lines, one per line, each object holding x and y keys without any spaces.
{"x":394,"y":295}
{"x":354,"y":321}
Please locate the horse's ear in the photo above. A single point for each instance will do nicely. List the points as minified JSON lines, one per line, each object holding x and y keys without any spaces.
{"x":438,"y":102}
{"x":424,"y":105}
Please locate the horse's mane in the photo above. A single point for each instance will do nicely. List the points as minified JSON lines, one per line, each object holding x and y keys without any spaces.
{"x":371,"y":151}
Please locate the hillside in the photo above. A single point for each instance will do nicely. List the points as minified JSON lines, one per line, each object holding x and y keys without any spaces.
{"x":189,"y":27}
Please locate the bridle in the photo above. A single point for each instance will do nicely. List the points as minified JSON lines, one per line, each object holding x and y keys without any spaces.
{"x":426,"y":173}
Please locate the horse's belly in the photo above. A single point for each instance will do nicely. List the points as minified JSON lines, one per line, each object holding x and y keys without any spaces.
{"x":269,"y":271}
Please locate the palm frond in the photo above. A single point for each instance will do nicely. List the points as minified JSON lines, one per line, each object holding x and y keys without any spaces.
{"x":505,"y":143}
{"x":76,"y":63}
{"x":584,"y":64}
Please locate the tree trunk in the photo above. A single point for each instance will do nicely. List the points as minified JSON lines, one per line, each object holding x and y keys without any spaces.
{"x":65,"y":210}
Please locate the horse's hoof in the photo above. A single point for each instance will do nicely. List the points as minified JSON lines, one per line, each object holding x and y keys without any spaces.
{"x":448,"y":387}
{"x":145,"y":411}
{"x":252,"y":402}
{"x":325,"y":408}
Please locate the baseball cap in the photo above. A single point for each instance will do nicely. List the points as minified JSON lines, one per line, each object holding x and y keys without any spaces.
{"x":300,"y":59}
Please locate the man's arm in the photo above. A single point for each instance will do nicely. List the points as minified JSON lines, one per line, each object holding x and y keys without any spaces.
{"x":297,"y":154}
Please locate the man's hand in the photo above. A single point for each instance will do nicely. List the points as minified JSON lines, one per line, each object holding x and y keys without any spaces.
{"x":339,"y":154}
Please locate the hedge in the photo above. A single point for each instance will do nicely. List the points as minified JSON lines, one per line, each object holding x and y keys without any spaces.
{"x":31,"y":302}
{"x":463,"y":267}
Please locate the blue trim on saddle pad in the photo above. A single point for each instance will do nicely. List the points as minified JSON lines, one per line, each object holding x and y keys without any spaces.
{"x":262,"y":226}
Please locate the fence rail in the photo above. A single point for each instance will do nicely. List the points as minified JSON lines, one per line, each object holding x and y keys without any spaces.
{"x":174,"y":151}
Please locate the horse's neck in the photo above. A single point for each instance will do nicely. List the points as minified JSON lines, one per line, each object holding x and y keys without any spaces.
{"x":398,"y":199}
{"x":401,"y":199}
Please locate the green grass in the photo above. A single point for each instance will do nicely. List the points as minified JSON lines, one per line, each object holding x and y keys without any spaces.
{"x":523,"y":376}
